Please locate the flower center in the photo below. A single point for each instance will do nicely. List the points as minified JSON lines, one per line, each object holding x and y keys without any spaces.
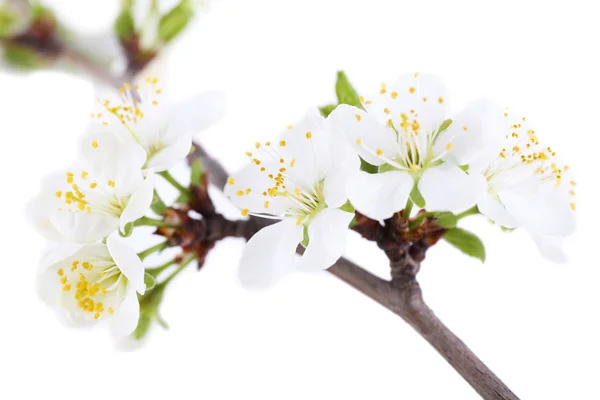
{"x":524,"y":159}
{"x":302,"y":200}
{"x":91,"y":285}
{"x":85,"y":195}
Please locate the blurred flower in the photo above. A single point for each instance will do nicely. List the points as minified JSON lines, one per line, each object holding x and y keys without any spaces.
{"x":103,"y":191}
{"x":525,"y":185}
{"x":301,"y":180}
{"x":98,"y":282}
{"x":405,"y":131}
{"x":164,"y":131}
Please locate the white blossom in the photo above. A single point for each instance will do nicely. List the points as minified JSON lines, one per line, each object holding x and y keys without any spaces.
{"x":526,"y":185}
{"x":94,"y":283}
{"x":104,"y":190}
{"x":402,"y":133}
{"x":163,"y":130}
{"x":300,"y":179}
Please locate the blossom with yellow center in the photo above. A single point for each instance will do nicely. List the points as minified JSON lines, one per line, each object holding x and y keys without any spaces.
{"x":299,"y":179}
{"x":403,"y":131}
{"x":162,"y":129}
{"x":95,"y":283}
{"x":103,"y":191}
{"x":526,"y":185}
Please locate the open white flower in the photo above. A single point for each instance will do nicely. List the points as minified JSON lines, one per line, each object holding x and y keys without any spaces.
{"x":301,"y":180}
{"x":95,"y":283}
{"x":402,"y":132}
{"x":164,"y":131}
{"x":527,"y":186}
{"x":103,"y":191}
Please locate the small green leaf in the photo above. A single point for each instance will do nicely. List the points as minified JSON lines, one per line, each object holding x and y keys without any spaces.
{"x":467,"y":242}
{"x":464,"y":167}
{"x":345,"y":92}
{"x":149,"y":281}
{"x":22,"y":57}
{"x":158,"y":206}
{"x":124,"y":25}
{"x":368,"y":168}
{"x":197,"y":172}
{"x":416,"y":196}
{"x":445,"y":219}
{"x":326,"y":110}
{"x":127,"y":230}
{"x":387,"y":167}
{"x":348,"y":207}
{"x":174,"y":22}
{"x":184,"y":197}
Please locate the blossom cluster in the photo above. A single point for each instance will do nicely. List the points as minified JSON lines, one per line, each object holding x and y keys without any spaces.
{"x":398,"y":150}
{"x":310,"y":178}
{"x":90,"y":274}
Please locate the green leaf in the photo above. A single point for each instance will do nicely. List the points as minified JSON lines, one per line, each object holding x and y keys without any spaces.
{"x":345,"y":92}
{"x":327,"y":109}
{"x":174,"y":22}
{"x":184,"y":197}
{"x":348,"y":207}
{"x":197,"y":172}
{"x":158,"y":206}
{"x":22,"y":57}
{"x":464,"y":167}
{"x":467,"y":242}
{"x":416,"y":196}
{"x":368,"y":168}
{"x":124,"y":25}
{"x":127,"y":230}
{"x":386,"y":167}
{"x":149,"y":281}
{"x":445,"y":219}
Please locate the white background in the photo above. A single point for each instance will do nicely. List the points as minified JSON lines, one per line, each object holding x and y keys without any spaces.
{"x":312,"y":337}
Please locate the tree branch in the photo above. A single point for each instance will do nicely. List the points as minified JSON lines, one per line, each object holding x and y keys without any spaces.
{"x":402,"y":295}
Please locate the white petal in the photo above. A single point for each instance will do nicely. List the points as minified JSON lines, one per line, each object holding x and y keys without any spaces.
{"x":37,"y":212}
{"x":494,"y":210}
{"x":269,"y":254}
{"x":540,"y":208}
{"x":308,"y":143}
{"x":481,"y":125}
{"x":334,"y":188}
{"x":424,"y":94}
{"x":550,"y":247}
{"x":127,"y":315}
{"x":448,"y":188}
{"x":81,"y":227}
{"x":128,"y":262}
{"x":327,"y":239}
{"x":47,"y":286}
{"x":111,"y":154}
{"x":139,"y":203}
{"x":379,"y":196}
{"x":170,"y":155}
{"x":364,"y":133}
{"x":198,"y":113}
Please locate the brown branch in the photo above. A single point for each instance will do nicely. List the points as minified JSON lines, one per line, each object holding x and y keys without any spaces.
{"x":402,"y":295}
